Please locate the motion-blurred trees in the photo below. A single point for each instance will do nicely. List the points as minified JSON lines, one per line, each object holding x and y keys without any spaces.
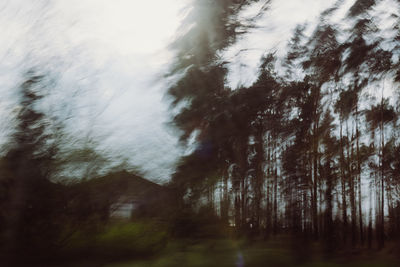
{"x":32,"y":204}
{"x":293,"y":153}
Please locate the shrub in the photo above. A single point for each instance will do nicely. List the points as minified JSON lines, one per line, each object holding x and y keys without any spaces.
{"x":129,"y":240}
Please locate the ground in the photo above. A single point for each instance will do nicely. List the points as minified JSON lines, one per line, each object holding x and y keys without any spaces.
{"x":229,"y":252}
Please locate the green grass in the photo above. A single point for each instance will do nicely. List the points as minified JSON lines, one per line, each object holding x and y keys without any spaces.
{"x":221,"y":253}
{"x":120,"y":240}
{"x":143,"y":245}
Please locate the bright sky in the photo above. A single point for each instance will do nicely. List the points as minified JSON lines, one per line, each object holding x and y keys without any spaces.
{"x":110,"y":55}
{"x":271,"y":34}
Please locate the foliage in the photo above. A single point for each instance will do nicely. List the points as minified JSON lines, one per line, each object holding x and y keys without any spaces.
{"x":291,"y":153}
{"x":117,"y":240}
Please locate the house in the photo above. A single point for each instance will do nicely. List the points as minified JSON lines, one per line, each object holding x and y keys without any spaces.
{"x":123,"y":195}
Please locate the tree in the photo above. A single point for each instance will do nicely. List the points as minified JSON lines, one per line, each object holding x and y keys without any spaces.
{"x":33,"y":202}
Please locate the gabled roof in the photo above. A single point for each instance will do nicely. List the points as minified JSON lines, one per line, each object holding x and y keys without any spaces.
{"x":125,"y":184}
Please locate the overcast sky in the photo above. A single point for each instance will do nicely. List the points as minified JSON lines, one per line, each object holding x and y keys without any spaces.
{"x":110,"y":57}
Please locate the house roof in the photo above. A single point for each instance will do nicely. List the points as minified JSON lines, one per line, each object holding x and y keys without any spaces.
{"x":126,"y":185}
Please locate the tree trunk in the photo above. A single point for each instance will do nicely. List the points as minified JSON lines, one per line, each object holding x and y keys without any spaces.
{"x":351,"y":191}
{"x":359,"y":180}
{"x":343,"y":182}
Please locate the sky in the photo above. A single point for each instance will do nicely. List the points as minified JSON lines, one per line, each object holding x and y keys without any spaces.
{"x":271,"y":34}
{"x":108,"y":58}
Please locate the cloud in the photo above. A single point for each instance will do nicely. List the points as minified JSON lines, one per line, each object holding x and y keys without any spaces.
{"x":271,"y":34}
{"x":107,"y":57}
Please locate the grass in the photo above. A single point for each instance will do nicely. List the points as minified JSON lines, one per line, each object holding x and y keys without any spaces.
{"x":227,"y":252}
{"x":144,"y":245}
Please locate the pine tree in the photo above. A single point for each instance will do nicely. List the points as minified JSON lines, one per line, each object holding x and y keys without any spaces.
{"x":33,"y":200}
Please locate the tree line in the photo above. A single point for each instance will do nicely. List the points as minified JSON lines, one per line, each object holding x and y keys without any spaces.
{"x":311,"y":147}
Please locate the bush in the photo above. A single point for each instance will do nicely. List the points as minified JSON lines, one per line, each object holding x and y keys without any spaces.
{"x":203,"y":223}
{"x":129,"y":240}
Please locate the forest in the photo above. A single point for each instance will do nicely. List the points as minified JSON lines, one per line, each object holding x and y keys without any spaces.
{"x":305,"y":158}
